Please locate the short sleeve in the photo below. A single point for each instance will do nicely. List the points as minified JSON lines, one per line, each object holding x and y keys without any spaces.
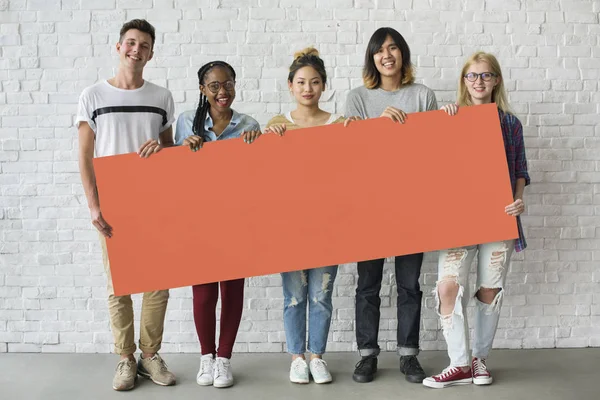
{"x":183,"y":129}
{"x":84,"y":111}
{"x":273,"y":121}
{"x":170,"y":108}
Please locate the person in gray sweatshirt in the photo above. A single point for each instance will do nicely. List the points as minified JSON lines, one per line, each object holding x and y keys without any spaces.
{"x":389,"y":91}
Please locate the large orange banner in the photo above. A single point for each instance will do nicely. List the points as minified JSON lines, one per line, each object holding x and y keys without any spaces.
{"x":317,"y":196}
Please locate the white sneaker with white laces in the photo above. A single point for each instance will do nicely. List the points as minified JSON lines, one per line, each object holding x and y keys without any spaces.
{"x":205,"y":373}
{"x":299,"y":371}
{"x":319,"y":371}
{"x":223,"y":376}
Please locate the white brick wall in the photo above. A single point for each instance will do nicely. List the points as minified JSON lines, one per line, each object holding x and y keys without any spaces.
{"x":52,"y":287}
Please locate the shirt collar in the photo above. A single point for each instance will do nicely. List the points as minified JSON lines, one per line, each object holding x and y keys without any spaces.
{"x":235,"y":119}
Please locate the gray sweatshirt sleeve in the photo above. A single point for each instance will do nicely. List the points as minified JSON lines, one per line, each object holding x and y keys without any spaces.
{"x":354,"y":106}
{"x":431,"y":101}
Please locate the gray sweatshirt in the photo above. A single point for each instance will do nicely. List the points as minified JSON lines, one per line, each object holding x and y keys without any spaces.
{"x":370,"y":103}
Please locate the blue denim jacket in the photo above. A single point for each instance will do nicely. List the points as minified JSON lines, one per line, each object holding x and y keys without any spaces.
{"x":239,"y":124}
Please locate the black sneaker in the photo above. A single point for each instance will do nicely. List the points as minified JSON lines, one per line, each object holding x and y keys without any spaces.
{"x":409,"y":366}
{"x":365,"y":369}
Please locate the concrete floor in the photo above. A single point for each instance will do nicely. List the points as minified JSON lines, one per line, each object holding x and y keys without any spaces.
{"x":519,"y":374}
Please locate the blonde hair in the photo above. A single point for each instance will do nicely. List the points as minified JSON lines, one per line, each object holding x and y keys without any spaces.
{"x":498,"y":93}
{"x":306,"y":52}
{"x":372,"y":77}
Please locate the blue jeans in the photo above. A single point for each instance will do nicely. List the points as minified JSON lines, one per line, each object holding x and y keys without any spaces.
{"x":298,"y":287}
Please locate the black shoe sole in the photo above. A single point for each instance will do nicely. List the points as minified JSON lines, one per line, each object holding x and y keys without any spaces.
{"x":362,"y":378}
{"x":415,"y":378}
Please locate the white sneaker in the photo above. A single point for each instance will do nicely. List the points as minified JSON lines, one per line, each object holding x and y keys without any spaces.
{"x":299,"y":371}
{"x":205,"y":373}
{"x":223,"y":377}
{"x":319,"y":371}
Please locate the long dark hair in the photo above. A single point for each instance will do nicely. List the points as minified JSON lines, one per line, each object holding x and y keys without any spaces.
{"x":371,"y":76}
{"x":203,"y":104}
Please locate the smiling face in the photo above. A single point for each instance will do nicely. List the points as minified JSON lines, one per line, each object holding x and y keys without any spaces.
{"x":219,"y":88}
{"x":307,"y":86}
{"x":135,"y":49}
{"x":480,"y":90}
{"x":388,"y":60}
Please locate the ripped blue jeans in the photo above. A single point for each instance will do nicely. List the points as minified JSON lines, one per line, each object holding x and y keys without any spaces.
{"x":307,"y":288}
{"x":453,"y":266}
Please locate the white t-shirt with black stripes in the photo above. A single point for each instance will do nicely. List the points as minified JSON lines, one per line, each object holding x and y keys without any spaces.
{"x":123,"y":120}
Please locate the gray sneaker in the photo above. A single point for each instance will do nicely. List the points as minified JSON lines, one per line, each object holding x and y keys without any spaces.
{"x":125,"y":375}
{"x":155,"y":368}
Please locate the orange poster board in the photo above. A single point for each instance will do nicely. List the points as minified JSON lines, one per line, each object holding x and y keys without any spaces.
{"x":317,"y":196}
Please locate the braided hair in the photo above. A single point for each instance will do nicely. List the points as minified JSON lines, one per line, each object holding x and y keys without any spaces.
{"x":203,"y":104}
{"x":308,"y":57}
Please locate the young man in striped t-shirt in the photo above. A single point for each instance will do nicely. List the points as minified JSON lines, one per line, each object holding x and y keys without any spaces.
{"x":127,"y":114}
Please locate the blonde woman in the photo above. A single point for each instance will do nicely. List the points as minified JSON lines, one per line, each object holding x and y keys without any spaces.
{"x":481,"y":82}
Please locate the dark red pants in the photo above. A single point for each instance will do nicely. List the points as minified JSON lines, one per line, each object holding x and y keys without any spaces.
{"x":205,"y":303}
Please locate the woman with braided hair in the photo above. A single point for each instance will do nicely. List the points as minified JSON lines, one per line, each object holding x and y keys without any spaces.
{"x":214,"y":119}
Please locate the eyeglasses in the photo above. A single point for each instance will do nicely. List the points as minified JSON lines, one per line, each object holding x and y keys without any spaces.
{"x":216,"y":86}
{"x":485,"y":76}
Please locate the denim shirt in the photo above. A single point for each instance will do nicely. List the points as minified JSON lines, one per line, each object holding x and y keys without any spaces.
{"x":239,"y":124}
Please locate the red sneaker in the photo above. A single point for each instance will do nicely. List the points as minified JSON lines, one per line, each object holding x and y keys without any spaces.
{"x":449,"y":377}
{"x":481,"y":375}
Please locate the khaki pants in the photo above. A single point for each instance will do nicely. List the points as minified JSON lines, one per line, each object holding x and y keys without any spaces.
{"x":154,"y":307}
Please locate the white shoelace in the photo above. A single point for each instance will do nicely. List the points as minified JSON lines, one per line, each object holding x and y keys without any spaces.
{"x":320,"y":366}
{"x":480,"y":367}
{"x":205,"y":365}
{"x":222,"y":367}
{"x":447,"y":372}
{"x":299,"y":367}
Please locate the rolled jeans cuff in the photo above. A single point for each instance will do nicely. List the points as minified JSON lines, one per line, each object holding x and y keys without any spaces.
{"x":368,"y":352}
{"x":407,"y":351}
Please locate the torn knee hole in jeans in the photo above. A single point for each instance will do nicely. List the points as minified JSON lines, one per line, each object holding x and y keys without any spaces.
{"x":447,"y":279}
{"x":494,"y":306}
{"x":293,"y":302}
{"x":448,"y":320}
